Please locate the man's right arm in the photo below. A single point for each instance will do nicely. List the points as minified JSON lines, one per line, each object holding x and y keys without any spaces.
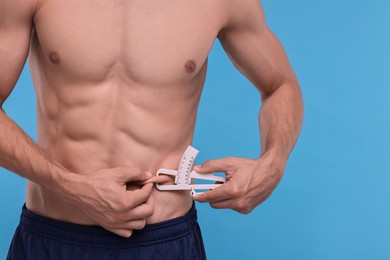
{"x":19,"y":153}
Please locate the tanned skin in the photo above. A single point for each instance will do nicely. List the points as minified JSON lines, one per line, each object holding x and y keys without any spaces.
{"x":118,"y":85}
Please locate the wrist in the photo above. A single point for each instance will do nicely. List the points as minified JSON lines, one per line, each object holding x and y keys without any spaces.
{"x":68,"y":183}
{"x":274,"y":161}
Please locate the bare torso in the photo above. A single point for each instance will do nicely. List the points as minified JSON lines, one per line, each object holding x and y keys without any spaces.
{"x":118,"y":83}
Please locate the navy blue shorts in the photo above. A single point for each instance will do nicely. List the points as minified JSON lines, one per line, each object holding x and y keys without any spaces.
{"x":41,"y":238}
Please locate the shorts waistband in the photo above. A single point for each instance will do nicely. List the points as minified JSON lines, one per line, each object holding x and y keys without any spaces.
{"x":96,"y":236}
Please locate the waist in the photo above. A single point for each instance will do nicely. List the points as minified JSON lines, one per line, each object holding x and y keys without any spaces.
{"x":168,"y":205}
{"x":97,"y":236}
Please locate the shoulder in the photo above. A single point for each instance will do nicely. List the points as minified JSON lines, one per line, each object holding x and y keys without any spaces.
{"x":18,"y":10}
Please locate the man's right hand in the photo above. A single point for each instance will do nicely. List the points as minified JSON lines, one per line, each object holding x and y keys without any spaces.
{"x":103,"y":197}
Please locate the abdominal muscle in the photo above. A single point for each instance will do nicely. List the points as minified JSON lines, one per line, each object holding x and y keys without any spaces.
{"x":139,"y":127}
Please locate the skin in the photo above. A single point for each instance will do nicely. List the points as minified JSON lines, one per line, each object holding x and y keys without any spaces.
{"x":118,"y":85}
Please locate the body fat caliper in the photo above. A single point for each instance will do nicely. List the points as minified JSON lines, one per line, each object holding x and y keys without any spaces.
{"x":185,"y":176}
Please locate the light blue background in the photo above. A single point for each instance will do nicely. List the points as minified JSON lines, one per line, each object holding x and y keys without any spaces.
{"x":333,"y":202}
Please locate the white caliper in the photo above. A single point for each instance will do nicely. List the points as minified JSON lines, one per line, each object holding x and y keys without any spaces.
{"x":185,"y":176}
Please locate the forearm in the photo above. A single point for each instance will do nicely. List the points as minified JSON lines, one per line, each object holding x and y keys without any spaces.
{"x":280,"y":121}
{"x":19,"y":154}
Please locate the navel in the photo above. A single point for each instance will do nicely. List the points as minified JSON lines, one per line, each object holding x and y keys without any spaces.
{"x":190,"y":66}
{"x":55,"y":57}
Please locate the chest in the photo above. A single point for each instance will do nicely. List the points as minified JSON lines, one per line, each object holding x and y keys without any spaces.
{"x":147,"y":40}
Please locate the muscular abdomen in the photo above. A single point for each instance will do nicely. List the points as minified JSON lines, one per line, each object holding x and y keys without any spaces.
{"x":117,"y":85}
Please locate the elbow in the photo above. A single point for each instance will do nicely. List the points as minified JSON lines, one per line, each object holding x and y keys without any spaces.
{"x":282,"y":85}
{"x":2,"y":100}
{"x":288,"y":92}
{"x":271,"y":87}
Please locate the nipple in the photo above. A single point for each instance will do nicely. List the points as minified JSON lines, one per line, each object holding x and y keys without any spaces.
{"x":190,"y":66}
{"x":55,"y":57}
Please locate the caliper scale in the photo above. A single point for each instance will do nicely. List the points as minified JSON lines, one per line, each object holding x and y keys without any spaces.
{"x":185,"y":176}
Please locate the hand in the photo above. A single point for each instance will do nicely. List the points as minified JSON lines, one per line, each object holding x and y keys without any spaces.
{"x":248,"y":183}
{"x":110,"y":198}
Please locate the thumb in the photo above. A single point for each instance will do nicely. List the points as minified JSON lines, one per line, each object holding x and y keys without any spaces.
{"x":217,"y":165}
{"x":132,"y":175}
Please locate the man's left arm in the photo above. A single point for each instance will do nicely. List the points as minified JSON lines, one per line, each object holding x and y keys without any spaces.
{"x":257,"y":54}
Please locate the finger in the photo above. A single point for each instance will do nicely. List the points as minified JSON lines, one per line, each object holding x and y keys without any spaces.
{"x":137,"y":224}
{"x":132,"y":174}
{"x":234,"y":205}
{"x":150,"y":202}
{"x":121,"y":232}
{"x":143,"y":210}
{"x":224,"y":204}
{"x":136,"y":197}
{"x":217,"y":165}
{"x":159,"y":179}
{"x":238,"y":205}
{"x":218,"y":194}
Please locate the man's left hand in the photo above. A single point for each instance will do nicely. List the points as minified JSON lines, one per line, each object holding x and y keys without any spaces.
{"x":249,"y":182}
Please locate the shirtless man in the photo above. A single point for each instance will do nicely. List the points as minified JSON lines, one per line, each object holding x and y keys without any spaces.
{"x":113,"y":81}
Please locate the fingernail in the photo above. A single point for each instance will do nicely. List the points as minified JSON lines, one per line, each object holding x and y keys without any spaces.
{"x":197,"y":167}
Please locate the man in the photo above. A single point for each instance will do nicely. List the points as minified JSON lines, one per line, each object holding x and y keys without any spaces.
{"x":114,"y":80}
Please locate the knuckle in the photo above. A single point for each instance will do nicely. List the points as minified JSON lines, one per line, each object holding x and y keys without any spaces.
{"x":107,"y":227}
{"x":119,"y":218}
{"x":110,"y":219}
{"x":245,"y":211}
{"x":123,"y":204}
{"x":130,"y":203}
{"x":140,"y":224}
{"x":242,"y":207}
{"x":123,"y":218}
{"x":120,"y":205}
{"x":236,"y":191}
{"x":145,"y":198}
{"x":149,"y":211}
{"x":230,"y":158}
{"x":115,"y":207}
